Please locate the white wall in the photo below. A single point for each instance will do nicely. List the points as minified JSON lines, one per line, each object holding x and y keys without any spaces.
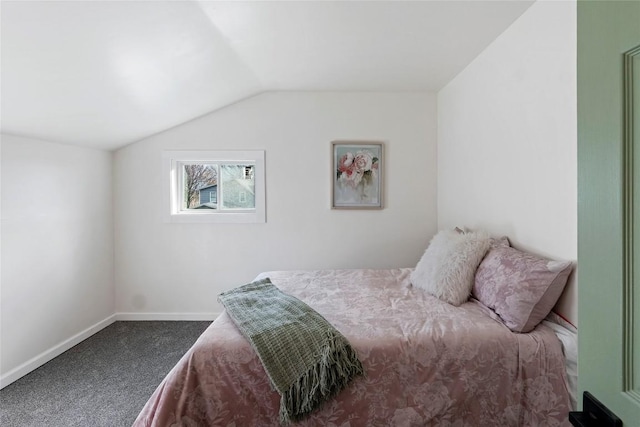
{"x":159,"y":266}
{"x":57,"y":250}
{"x":507,"y":139}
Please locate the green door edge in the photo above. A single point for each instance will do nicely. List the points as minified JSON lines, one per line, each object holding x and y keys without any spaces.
{"x":606,"y":30}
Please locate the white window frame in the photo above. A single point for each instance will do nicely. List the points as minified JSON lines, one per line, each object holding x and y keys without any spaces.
{"x":172,"y":161}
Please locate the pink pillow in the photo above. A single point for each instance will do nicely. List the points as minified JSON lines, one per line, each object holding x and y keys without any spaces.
{"x":521,"y":288}
{"x":495,"y":242}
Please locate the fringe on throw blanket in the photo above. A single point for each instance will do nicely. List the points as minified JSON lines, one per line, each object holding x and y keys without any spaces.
{"x":306,"y":359}
{"x":338,"y":364}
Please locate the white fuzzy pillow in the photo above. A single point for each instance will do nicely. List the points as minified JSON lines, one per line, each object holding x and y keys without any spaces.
{"x":448,"y":266}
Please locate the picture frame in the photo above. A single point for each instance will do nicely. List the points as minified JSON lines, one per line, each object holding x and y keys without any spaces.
{"x":357,"y":174}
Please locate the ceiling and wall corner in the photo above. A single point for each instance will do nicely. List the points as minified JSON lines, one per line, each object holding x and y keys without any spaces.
{"x":104,"y":74}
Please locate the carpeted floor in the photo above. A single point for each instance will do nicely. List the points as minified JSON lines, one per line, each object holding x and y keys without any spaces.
{"x":103,"y":381}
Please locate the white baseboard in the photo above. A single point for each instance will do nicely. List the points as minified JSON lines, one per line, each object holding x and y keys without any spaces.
{"x":166,"y":316}
{"x":57,"y":350}
{"x":53,"y":352}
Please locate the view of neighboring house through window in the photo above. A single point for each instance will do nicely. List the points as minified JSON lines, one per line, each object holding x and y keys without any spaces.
{"x":218,"y":186}
{"x":214,"y":186}
{"x":199,"y":180}
{"x":237,"y":187}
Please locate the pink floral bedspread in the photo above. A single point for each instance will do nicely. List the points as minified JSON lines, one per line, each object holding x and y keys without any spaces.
{"x":427,"y":363}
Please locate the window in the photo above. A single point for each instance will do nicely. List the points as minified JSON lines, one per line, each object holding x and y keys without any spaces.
{"x":214,"y":186}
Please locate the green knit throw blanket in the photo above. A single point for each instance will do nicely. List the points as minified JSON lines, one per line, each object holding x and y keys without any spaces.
{"x":306,"y":358}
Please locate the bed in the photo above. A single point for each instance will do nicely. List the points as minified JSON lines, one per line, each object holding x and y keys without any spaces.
{"x":427,"y":363}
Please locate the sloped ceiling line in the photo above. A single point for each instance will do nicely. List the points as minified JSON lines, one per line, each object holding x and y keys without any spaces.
{"x":104,"y":74}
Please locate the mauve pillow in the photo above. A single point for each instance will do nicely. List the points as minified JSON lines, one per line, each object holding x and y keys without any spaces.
{"x":448,"y":265}
{"x":520,"y":287}
{"x":495,"y":242}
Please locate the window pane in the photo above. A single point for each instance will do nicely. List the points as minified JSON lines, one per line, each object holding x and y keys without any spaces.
{"x":200,"y":186}
{"x":238,"y":186}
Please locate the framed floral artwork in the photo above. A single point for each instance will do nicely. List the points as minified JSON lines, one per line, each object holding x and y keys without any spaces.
{"x":357,"y":174}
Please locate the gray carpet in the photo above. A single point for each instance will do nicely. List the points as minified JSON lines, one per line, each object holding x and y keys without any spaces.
{"x":103,"y":381}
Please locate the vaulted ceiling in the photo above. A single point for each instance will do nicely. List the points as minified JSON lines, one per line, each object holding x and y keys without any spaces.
{"x":106,"y":73}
